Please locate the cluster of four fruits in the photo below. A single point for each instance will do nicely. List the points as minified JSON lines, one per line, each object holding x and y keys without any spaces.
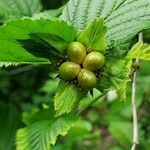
{"x":81,"y":65}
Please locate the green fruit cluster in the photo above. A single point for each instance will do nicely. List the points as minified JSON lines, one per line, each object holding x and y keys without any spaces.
{"x":81,"y":65}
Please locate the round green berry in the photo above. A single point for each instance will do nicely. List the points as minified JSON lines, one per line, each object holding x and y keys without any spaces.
{"x":94,"y":61}
{"x":76,"y":52}
{"x":87,"y":79}
{"x":69,"y":71}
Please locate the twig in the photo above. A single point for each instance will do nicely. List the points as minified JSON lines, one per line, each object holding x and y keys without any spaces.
{"x":134,"y":109}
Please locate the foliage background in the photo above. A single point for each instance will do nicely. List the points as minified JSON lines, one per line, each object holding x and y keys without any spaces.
{"x":107,"y":125}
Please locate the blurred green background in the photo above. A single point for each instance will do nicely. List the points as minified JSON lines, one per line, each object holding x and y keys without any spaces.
{"x":107,"y":125}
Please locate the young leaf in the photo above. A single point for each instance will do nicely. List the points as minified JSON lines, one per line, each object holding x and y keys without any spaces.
{"x":20,"y":41}
{"x":140,"y":50}
{"x":66,"y":98}
{"x":11,"y":9}
{"x":40,"y":135}
{"x":94,"y":35}
{"x":124,"y":19}
{"x":116,"y":76}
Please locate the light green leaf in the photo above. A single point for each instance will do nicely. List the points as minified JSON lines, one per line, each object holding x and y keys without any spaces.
{"x":140,"y":50}
{"x":21,"y":29}
{"x":121,"y":131}
{"x":6,"y":64}
{"x":20,"y":44}
{"x":116,"y":76}
{"x":67,"y":97}
{"x":94,"y":35}
{"x":12,"y":9}
{"x":123,"y":18}
{"x":39,"y":135}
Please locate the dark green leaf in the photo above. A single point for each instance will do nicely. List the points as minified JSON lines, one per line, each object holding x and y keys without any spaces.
{"x":12,"y":53}
{"x":9,"y":122}
{"x":20,"y":41}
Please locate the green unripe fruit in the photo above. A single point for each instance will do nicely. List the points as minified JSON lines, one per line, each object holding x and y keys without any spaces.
{"x":87,"y":79}
{"x":69,"y":70}
{"x":76,"y":52}
{"x":94,"y":61}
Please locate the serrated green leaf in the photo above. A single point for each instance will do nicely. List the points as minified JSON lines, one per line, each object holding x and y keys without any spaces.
{"x":23,"y":28}
{"x":12,"y":53}
{"x":140,"y":50}
{"x":6,"y":64}
{"x":116,"y":76}
{"x":40,"y":135}
{"x":67,"y":97}
{"x":94,"y":35}
{"x":11,"y":9}
{"x":124,"y":19}
{"x":19,"y":41}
